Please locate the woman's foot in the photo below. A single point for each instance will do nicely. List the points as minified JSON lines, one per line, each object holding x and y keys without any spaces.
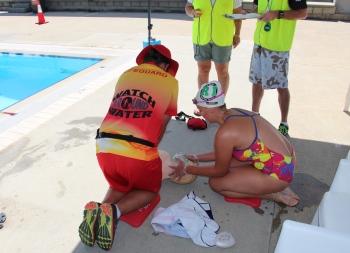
{"x":286,"y":199}
{"x":288,"y":191}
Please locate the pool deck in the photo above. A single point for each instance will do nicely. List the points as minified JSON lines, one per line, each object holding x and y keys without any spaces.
{"x":48,"y":168}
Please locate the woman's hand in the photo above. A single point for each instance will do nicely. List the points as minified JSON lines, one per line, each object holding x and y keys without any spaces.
{"x":179,"y":170}
{"x":193,"y":158}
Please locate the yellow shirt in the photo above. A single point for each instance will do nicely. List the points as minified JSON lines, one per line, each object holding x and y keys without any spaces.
{"x":281,"y":34}
{"x":212,"y":25}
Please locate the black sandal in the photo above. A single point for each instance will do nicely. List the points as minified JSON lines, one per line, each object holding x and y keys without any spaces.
{"x":182,"y":116}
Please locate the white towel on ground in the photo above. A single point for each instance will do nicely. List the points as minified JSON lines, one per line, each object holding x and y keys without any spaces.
{"x":189,"y":218}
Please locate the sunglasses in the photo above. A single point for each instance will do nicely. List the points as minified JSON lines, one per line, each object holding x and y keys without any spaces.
{"x":195,"y":101}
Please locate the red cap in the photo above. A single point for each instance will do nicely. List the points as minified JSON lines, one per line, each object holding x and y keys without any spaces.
{"x":173,"y":65}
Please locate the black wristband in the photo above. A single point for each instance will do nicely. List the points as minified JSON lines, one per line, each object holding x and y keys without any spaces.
{"x":280,"y":14}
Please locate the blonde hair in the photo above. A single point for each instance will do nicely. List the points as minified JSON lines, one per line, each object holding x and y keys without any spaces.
{"x":222,"y":107}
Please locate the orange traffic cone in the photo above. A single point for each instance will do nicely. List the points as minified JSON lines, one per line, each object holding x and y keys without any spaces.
{"x":40,"y":15}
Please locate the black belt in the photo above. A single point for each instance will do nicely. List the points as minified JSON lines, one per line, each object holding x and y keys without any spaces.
{"x":123,"y":137}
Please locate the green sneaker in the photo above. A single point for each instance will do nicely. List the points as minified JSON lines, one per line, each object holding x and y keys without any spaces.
{"x":87,"y":227}
{"x":283,"y":129}
{"x":107,"y":224}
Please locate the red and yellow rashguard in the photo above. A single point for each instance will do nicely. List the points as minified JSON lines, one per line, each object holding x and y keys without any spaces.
{"x":143,"y":94}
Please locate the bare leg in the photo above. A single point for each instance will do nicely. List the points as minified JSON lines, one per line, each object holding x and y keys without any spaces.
{"x":135,"y":200}
{"x":223,"y":75}
{"x":286,"y":199}
{"x":245,"y":181}
{"x":203,"y":72}
{"x":283,"y":100}
{"x":257,"y":95}
{"x":113,"y":196}
{"x":203,"y":77}
{"x":131,"y":201}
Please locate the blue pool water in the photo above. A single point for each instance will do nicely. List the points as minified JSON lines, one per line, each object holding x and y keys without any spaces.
{"x":22,"y":75}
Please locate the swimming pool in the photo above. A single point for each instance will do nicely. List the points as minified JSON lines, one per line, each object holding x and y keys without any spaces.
{"x":23,"y":75}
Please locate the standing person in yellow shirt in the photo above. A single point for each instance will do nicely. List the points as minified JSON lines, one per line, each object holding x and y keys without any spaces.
{"x":273,"y":39}
{"x":213,"y":37}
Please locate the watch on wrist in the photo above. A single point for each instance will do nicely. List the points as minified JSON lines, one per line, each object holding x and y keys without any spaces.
{"x":280,"y":14}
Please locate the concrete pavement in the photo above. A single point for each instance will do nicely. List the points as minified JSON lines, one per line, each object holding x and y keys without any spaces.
{"x":48,"y":168}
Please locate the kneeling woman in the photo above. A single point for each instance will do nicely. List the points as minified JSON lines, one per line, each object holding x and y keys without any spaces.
{"x":252,"y":158}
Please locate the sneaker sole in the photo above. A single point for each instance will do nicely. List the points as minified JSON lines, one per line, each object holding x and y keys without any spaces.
{"x":106,"y":228}
{"x":86,"y":228}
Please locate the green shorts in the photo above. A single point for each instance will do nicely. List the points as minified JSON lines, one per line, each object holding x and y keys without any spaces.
{"x":269,"y":68}
{"x":213,"y":52}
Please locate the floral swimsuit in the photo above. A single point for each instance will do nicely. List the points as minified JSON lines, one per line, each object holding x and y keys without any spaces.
{"x":268,"y":161}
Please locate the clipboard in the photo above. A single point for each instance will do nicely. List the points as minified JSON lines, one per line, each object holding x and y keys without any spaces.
{"x":241,"y":16}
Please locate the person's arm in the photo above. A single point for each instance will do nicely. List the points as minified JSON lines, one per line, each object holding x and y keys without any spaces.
{"x":189,"y":9}
{"x":166,"y":119}
{"x":295,"y":14}
{"x":191,"y":12}
{"x":223,"y":155}
{"x":299,"y":11}
{"x":238,"y":25}
{"x":206,"y":157}
{"x":291,"y":15}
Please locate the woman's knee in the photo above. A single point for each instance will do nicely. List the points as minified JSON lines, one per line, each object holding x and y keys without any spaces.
{"x":204,"y":67}
{"x":222,"y":69}
{"x":214,"y":185}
